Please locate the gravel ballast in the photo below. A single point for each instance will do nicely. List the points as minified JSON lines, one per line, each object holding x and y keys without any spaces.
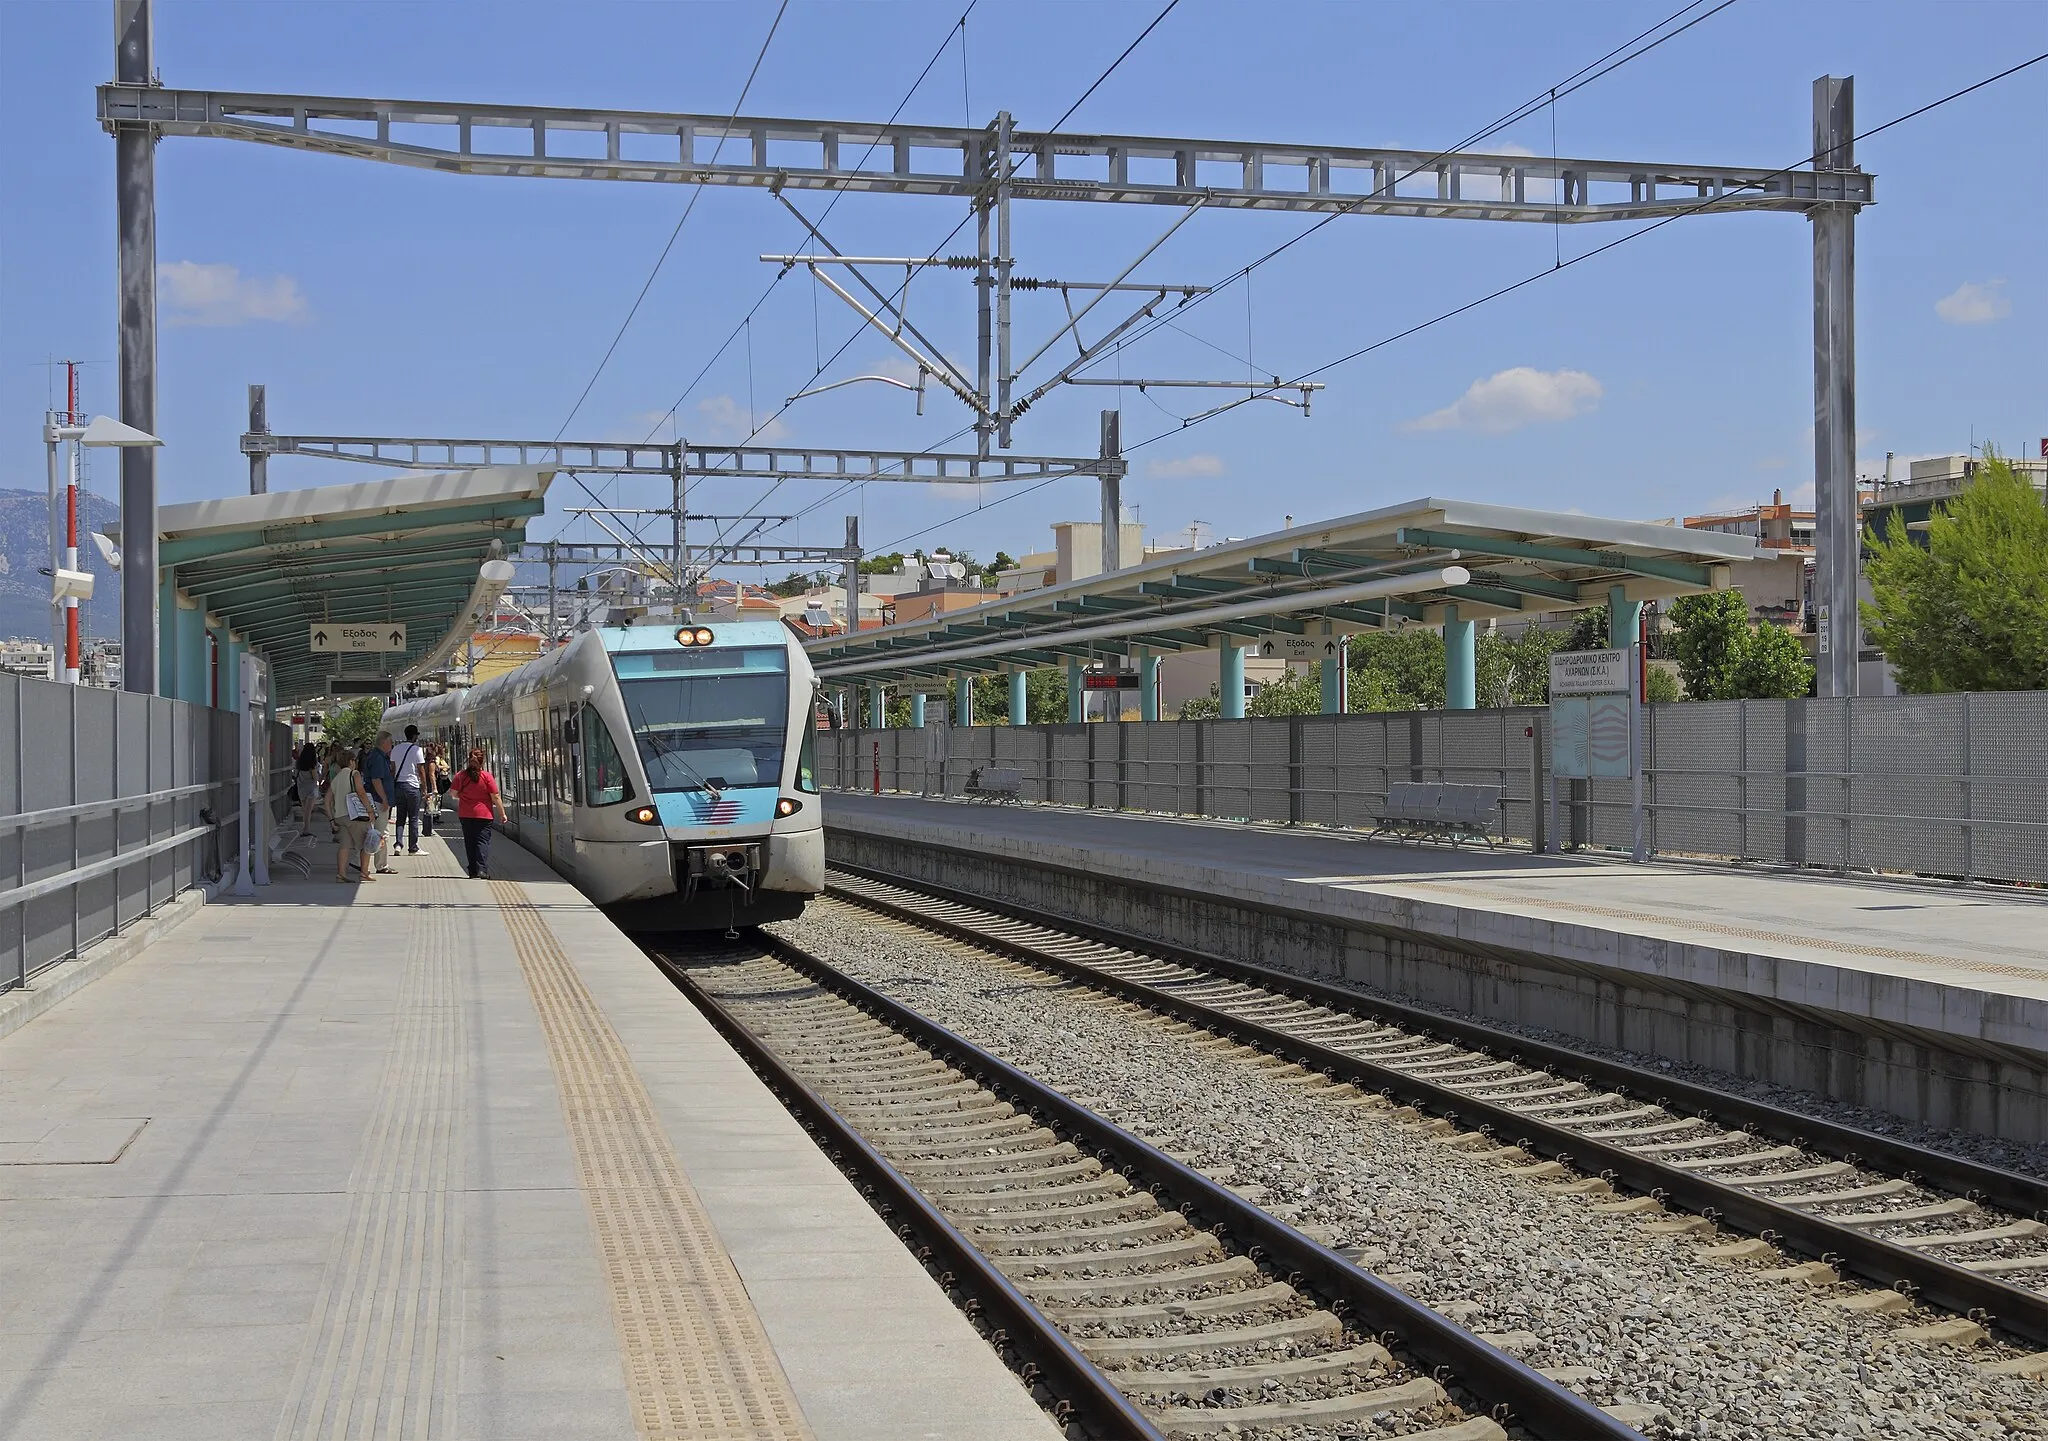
{"x":1638,"y":1318}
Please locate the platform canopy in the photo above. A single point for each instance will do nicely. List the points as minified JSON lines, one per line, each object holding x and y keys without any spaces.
{"x":1294,"y":592}
{"x":412,"y":550}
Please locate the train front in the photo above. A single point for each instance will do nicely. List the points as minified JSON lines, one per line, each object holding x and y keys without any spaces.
{"x":723,"y":722}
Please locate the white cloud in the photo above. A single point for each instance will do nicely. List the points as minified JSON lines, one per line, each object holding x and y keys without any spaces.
{"x":1514,"y":398}
{"x":1185,"y":466}
{"x":726,"y":420}
{"x":221,"y":295}
{"x":1974,"y":304}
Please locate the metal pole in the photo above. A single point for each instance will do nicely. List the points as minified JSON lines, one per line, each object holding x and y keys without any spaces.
{"x":259,"y":424}
{"x":1112,"y":493}
{"x":1837,"y":527}
{"x":135,"y":229}
{"x":554,"y":592}
{"x":56,"y":552}
{"x":984,"y":315}
{"x":852,"y":575}
{"x":1003,"y":376}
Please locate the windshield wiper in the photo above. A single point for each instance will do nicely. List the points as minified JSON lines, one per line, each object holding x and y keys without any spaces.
{"x":652,"y":738}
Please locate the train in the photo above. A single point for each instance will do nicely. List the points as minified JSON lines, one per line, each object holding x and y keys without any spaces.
{"x":668,"y":770}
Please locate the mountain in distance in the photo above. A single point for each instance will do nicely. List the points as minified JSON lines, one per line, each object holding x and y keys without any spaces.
{"x":25,"y":552}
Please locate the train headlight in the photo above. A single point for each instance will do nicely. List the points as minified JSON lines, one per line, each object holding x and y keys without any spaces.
{"x":788,"y":806}
{"x":644,"y":816}
{"x":694,"y":635}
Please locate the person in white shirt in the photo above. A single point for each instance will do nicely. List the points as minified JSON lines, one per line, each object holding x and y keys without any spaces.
{"x":405,"y":771}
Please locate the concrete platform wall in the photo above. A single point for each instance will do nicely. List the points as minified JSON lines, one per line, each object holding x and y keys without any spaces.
{"x":1940,"y":1079}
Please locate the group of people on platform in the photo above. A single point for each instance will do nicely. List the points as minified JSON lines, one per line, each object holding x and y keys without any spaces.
{"x":386,"y":794}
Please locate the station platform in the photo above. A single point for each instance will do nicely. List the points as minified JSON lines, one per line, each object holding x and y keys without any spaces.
{"x":440,"y":1157}
{"x":1928,"y":1002}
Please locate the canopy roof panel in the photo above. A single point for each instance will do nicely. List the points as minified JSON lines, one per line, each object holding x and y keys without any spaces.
{"x":1399,"y":565}
{"x":405,"y":549}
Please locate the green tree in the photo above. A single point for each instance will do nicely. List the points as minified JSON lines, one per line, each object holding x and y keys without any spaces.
{"x":1515,"y":670}
{"x":1589,"y":631}
{"x":1772,"y":665}
{"x":1713,"y":633}
{"x":793,"y":584}
{"x":1397,"y":669}
{"x":1202,"y":707}
{"x":355,"y":724}
{"x":1003,"y":561}
{"x":1296,"y":693}
{"x":1662,"y":686}
{"x":882,"y":564}
{"x":1969,"y":610}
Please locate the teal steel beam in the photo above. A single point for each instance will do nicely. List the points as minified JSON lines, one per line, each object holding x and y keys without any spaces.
{"x":421,"y":522}
{"x":355,"y":555}
{"x":408,"y":581}
{"x":1683,"y":571}
{"x":1538,"y":585}
{"x":1261,"y":565}
{"x":1486,"y":595}
{"x":300,"y":576}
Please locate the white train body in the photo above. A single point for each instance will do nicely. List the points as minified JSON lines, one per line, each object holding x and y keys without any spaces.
{"x":670,"y":776}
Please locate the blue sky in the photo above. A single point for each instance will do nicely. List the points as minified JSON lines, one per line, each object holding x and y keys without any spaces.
{"x":1669,"y":377}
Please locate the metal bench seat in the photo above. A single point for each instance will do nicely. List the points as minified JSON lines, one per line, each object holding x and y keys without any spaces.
{"x":1438,"y":811}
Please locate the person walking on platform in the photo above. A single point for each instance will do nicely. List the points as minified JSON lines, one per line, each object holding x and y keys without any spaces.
{"x":349,"y":808}
{"x":377,"y":779}
{"x":405,"y":772}
{"x":477,"y":803}
{"x":433,"y":785}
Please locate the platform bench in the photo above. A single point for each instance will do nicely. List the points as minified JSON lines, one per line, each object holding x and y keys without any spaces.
{"x":1438,"y":811}
{"x":996,"y":783}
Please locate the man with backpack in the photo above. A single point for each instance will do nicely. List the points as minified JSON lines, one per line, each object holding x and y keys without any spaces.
{"x":405,"y":771}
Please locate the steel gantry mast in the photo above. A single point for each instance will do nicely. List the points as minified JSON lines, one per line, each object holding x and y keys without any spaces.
{"x":992,"y":166}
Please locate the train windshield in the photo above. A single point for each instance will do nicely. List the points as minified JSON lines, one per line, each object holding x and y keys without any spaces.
{"x":708,"y":719}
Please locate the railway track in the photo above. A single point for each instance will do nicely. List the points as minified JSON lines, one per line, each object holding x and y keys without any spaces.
{"x":1920,"y":1224}
{"x":1148,"y":1298}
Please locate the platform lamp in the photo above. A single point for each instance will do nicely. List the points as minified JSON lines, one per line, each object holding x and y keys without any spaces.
{"x":68,"y":584}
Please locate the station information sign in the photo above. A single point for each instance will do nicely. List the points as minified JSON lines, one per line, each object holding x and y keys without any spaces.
{"x":376,"y":636}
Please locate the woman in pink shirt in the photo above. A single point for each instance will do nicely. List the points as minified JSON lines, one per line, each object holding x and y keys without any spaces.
{"x":477,"y":803}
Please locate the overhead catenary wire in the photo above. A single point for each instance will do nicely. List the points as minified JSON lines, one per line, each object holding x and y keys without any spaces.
{"x":1511,"y":288}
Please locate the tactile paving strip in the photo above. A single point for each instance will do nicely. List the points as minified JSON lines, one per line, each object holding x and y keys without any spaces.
{"x":698,"y":1363}
{"x":381,"y":1358}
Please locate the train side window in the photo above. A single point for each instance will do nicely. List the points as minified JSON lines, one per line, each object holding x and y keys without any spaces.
{"x":604,"y":769}
{"x":807,"y":754}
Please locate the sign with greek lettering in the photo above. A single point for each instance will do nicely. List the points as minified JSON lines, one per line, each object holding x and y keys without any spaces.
{"x":1589,"y":672}
{"x":1301,"y":647}
{"x":381,"y":635}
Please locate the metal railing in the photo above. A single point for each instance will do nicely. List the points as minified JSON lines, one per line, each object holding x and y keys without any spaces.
{"x":1946,"y":786}
{"x":115,"y":804}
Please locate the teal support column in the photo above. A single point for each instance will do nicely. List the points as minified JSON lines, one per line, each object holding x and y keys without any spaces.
{"x":1461,"y":662}
{"x":1624,"y":618}
{"x":917,"y":710}
{"x":963,"y":699}
{"x":878,"y":707}
{"x":1333,"y":686}
{"x":218,"y":691}
{"x":167,"y":633}
{"x":231,"y":671}
{"x":1230,"y":683}
{"x":1148,"y":686}
{"x":1077,"y":699}
{"x":191,"y":654}
{"x":1020,"y":698}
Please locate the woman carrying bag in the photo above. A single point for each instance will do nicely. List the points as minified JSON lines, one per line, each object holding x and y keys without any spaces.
{"x":477,"y":803}
{"x":345,"y":790}
{"x":434,"y":784}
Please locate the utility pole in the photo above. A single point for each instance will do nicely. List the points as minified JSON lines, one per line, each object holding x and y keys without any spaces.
{"x":1837,"y":524}
{"x":135,"y":229}
{"x":1112,"y":493}
{"x":259,"y":424}
{"x":852,"y":575}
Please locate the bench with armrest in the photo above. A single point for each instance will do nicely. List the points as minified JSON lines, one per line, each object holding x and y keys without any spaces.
{"x":995,"y":783}
{"x":1438,"y":811}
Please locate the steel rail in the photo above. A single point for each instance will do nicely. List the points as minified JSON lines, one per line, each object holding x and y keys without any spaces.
{"x":2023,"y":1312}
{"x":1518,"y":1393}
{"x":1083,"y":1394}
{"x":1939,"y":1170}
